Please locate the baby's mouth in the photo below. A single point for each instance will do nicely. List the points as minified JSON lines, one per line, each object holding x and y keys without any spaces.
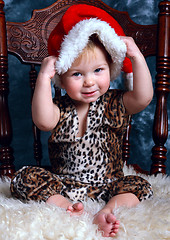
{"x":89,"y":93}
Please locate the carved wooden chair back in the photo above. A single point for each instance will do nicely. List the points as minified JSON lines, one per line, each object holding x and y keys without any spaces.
{"x":28,"y":41}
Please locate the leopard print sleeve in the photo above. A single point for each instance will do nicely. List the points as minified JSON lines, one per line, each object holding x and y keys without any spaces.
{"x":115,"y":112}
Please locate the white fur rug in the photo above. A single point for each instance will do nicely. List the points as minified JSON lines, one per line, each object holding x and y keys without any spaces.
{"x":150,"y":220}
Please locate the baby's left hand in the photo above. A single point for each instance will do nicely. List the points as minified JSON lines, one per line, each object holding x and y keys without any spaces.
{"x":132,"y":49}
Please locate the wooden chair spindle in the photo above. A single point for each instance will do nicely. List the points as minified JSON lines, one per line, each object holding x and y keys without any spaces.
{"x":36,"y":131}
{"x":160,"y":127}
{"x":6,"y":152}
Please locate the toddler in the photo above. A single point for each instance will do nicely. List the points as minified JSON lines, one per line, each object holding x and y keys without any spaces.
{"x":87,"y":49}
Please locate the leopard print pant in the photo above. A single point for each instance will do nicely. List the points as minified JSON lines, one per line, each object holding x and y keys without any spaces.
{"x":34,"y":183}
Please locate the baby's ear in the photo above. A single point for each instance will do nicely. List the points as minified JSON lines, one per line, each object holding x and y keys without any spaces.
{"x":61,"y":84}
{"x":56,"y":80}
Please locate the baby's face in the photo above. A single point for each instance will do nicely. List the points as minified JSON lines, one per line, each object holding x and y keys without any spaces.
{"x":88,"y":78}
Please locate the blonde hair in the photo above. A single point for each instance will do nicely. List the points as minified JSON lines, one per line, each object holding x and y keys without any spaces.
{"x":90,"y":47}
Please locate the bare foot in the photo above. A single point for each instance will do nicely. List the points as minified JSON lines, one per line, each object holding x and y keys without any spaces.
{"x":107,"y":224}
{"x":75,"y":209}
{"x":60,"y":201}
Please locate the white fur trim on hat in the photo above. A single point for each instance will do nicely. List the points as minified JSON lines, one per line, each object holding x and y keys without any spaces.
{"x":77,"y":38}
{"x":128,"y":81}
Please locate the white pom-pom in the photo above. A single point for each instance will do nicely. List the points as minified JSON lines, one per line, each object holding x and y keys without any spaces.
{"x":128,"y":81}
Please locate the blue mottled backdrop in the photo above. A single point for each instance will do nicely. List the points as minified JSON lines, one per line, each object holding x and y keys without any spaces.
{"x":142,"y":12}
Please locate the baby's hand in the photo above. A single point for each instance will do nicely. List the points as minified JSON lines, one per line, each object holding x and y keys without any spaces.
{"x":48,"y":67}
{"x":132,"y":48}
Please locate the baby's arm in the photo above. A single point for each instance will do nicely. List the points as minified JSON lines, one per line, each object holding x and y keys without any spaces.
{"x":138,"y":99}
{"x":45,"y":113}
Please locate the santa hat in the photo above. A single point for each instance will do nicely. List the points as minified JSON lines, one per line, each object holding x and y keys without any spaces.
{"x":71,"y":35}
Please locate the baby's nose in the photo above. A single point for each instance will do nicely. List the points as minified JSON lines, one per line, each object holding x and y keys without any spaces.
{"x":89,"y":81}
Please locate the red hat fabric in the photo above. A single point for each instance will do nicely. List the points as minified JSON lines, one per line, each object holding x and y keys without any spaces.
{"x":71,"y":35}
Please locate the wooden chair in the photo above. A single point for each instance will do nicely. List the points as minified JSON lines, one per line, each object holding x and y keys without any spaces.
{"x":28,"y":41}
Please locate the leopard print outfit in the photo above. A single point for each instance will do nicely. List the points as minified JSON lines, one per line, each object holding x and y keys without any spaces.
{"x":87,"y":166}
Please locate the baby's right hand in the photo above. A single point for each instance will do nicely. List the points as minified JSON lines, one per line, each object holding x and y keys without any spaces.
{"x":48,"y":67}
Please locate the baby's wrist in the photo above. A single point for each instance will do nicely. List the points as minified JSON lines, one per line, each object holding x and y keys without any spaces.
{"x":137,"y":57}
{"x":44,"y":76}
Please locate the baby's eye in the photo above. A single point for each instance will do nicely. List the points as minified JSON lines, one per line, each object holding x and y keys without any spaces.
{"x":98,"y":70}
{"x":77,"y":74}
